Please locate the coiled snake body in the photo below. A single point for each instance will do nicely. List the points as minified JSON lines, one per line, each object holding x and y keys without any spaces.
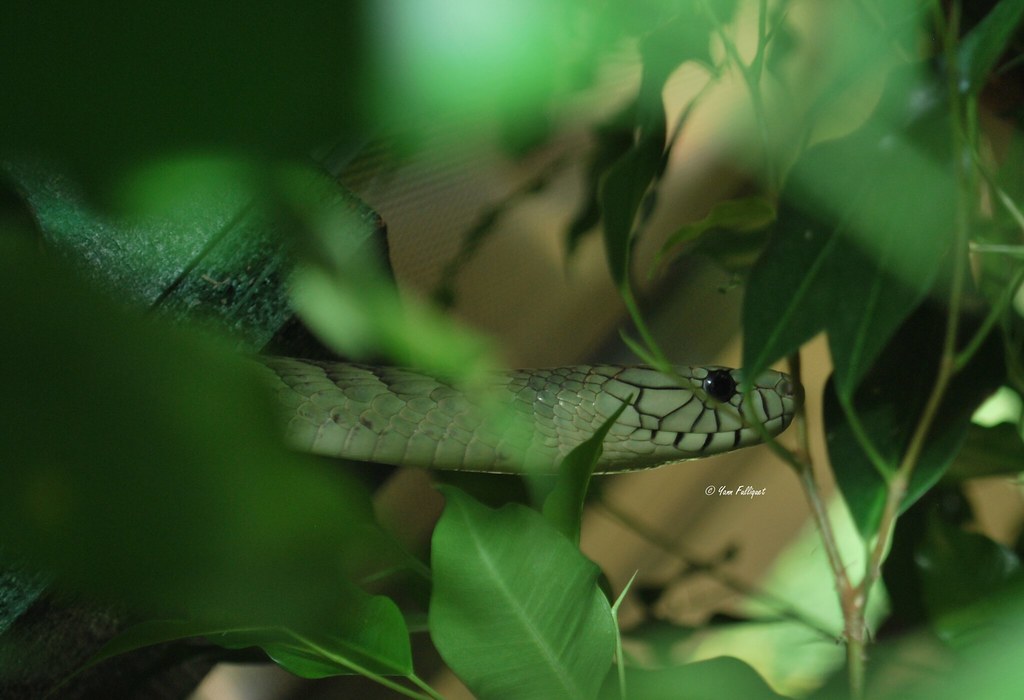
{"x":529,"y":420}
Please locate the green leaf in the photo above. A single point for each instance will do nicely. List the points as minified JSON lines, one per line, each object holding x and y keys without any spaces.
{"x":981,"y":48}
{"x":959,"y":568}
{"x":347,"y":300}
{"x":733,"y":234}
{"x":130,"y":87}
{"x":516,"y":611}
{"x":721,"y":677}
{"x":988,"y":666}
{"x":861,"y":233}
{"x":888,"y":406}
{"x":369,"y":636}
{"x":742,"y":215}
{"x":563,"y":507}
{"x":994,"y":451}
{"x":144,"y":464}
{"x":613,"y":140}
{"x":621,"y":192}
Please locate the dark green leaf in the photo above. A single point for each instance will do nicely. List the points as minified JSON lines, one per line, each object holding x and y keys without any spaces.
{"x":143,"y":464}
{"x":959,"y":568}
{"x":614,"y":139}
{"x":721,"y":677}
{"x":993,"y":451}
{"x":623,"y":186}
{"x":889,"y":403}
{"x":859,"y":239}
{"x":516,"y":611}
{"x":747,"y":214}
{"x":981,"y":48}
{"x":118,"y":87}
{"x":733,"y":233}
{"x":621,"y":192}
{"x":563,"y":507}
{"x":370,"y":635}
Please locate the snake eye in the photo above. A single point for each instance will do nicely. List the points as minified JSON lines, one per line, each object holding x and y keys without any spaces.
{"x":719,"y":385}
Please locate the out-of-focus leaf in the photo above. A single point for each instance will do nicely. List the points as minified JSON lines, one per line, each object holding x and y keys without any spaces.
{"x":120,"y":85}
{"x":901,"y":574}
{"x":888,"y":404}
{"x":369,"y":635}
{"x":959,"y":568}
{"x":621,"y":192}
{"x":465,"y":59}
{"x":686,"y":37}
{"x":733,"y":233}
{"x":143,"y":465}
{"x":614,"y":139}
{"x":721,"y":677}
{"x":979,"y":50}
{"x":747,"y":214}
{"x":344,"y":296}
{"x":859,"y":239}
{"x":563,"y":507}
{"x":989,"y":452}
{"x":516,"y":611}
{"x":983,"y":666}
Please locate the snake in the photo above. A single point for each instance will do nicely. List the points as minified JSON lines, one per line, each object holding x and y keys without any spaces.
{"x":525,"y":420}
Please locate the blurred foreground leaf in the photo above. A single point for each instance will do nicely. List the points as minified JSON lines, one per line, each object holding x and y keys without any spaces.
{"x":860,"y":236}
{"x":346,"y":298}
{"x":370,"y":636}
{"x":142,"y":465}
{"x":103,"y":87}
{"x":722,"y":677}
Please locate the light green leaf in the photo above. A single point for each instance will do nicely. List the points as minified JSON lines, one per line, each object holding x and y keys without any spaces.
{"x":859,"y":239}
{"x":563,"y":507}
{"x":346,"y":299}
{"x":516,"y":611}
{"x":721,"y":677}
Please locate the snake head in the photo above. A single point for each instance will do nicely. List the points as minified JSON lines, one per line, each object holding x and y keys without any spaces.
{"x":701,"y":411}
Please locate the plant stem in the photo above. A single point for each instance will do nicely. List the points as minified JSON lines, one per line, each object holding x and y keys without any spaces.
{"x":781,"y":607}
{"x":898,"y":484}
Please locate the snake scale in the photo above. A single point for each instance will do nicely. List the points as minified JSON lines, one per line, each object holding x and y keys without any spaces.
{"x":527,"y":419}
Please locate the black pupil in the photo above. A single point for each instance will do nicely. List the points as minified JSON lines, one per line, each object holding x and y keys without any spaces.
{"x":719,"y":385}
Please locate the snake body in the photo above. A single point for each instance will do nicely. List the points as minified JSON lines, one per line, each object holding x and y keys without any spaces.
{"x":526,"y":419}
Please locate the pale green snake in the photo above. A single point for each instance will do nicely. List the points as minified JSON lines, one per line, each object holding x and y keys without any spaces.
{"x":404,"y":418}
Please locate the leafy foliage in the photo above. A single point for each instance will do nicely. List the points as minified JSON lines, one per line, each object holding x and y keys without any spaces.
{"x":140,"y":459}
{"x":497,"y":619}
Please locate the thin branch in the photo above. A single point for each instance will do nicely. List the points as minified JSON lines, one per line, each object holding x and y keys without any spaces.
{"x":782,"y":608}
{"x":897,"y":486}
{"x":993,"y":316}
